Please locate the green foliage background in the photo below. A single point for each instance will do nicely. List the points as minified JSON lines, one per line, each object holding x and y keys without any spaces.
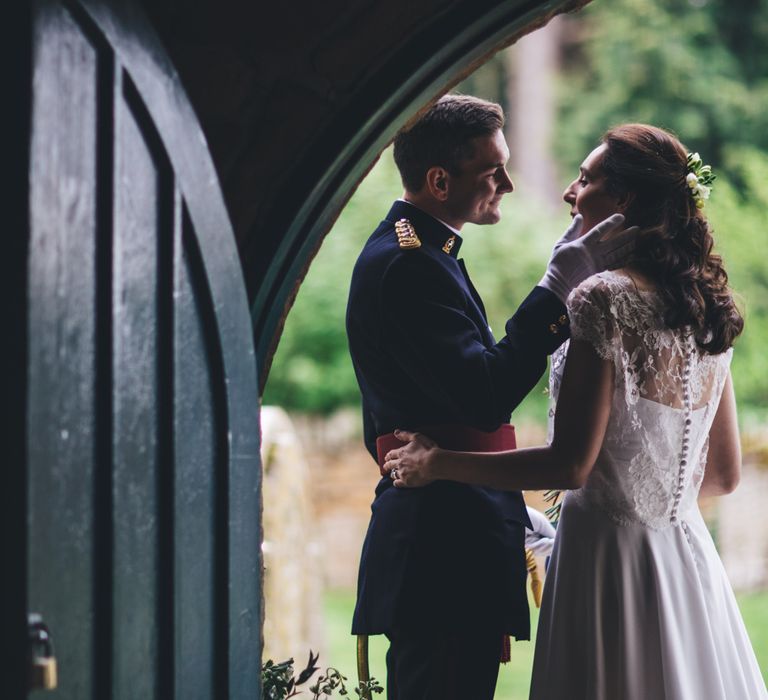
{"x":738,"y":214}
{"x":697,"y":67}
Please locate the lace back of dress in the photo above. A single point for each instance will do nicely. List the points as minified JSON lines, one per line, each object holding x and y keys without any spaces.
{"x":660,"y":364}
{"x":666,"y":393}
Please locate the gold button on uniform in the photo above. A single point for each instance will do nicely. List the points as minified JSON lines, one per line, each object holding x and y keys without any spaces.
{"x":554,"y":328}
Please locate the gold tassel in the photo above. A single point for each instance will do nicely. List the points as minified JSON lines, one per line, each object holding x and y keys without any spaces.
{"x":533,"y":570}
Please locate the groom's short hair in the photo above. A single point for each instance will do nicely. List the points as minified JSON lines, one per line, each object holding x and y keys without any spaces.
{"x":443,"y":135}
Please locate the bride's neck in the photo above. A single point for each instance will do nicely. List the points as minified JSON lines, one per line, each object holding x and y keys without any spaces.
{"x":639,"y":279}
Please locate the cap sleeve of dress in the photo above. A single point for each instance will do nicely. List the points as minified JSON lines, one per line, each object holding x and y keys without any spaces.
{"x":591,"y":318}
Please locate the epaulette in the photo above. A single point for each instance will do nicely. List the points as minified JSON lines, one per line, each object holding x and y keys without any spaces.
{"x":406,"y":235}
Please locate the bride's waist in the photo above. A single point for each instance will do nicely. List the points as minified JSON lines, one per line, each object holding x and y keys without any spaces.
{"x":649,"y":505}
{"x":581,"y":510}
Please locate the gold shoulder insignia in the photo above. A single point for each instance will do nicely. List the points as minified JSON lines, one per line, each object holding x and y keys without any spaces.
{"x":448,"y":246}
{"x":406,"y":235}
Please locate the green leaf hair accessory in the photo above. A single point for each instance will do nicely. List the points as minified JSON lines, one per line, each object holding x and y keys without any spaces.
{"x":699,"y":179}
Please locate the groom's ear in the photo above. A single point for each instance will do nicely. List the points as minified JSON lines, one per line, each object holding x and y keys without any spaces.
{"x":437,"y":181}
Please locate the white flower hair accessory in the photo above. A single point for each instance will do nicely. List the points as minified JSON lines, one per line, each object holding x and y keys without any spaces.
{"x":699,"y":179}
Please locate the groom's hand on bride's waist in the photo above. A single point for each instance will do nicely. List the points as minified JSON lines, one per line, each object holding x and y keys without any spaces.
{"x":575,"y":258}
{"x":413,"y":464}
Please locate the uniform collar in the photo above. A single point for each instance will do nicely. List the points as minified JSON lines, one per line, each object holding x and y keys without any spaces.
{"x":430,"y":231}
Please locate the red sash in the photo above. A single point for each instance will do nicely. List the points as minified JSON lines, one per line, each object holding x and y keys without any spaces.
{"x":455,"y":437}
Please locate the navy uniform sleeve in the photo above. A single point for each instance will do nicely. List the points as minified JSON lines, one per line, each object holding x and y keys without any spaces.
{"x":431,"y":335}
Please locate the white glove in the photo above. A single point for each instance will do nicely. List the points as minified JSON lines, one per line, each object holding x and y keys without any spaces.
{"x":575,"y":258}
{"x":541,"y":539}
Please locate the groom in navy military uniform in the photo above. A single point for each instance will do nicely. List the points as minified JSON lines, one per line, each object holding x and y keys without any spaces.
{"x":442,"y":570}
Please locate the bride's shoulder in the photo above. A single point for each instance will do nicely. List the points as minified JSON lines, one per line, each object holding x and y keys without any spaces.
{"x":620,"y":294}
{"x":602,"y":284}
{"x":612,"y":282}
{"x":592,"y":314}
{"x":591,"y":301}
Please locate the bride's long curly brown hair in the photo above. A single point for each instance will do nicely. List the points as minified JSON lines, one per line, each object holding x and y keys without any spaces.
{"x":648,"y":166}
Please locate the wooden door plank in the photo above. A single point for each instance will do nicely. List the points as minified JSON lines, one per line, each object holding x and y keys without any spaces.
{"x":137,"y":400}
{"x":62,"y":360}
{"x":198,"y":470}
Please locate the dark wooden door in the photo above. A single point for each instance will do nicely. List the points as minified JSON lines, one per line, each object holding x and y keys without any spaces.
{"x":143,"y":472}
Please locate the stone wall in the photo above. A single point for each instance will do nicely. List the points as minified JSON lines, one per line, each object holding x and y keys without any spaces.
{"x":293,"y":578}
{"x":741,"y":529}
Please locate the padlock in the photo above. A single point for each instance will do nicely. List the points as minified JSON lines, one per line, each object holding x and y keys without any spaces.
{"x":43,"y":672}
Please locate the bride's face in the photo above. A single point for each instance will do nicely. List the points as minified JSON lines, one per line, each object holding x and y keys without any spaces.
{"x":587,"y":194}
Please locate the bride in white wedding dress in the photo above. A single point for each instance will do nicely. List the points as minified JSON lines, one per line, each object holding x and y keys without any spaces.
{"x":636,"y":604}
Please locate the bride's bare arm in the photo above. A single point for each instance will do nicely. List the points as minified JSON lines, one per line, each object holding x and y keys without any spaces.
{"x":583,"y":408}
{"x":723,"y":469}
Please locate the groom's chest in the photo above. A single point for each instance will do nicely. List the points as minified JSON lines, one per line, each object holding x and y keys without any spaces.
{"x":473,"y":304}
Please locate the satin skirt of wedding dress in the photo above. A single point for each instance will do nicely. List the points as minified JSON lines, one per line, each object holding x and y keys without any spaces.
{"x":634,"y":613}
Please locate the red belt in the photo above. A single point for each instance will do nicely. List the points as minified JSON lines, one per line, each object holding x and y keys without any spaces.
{"x":455,"y":437}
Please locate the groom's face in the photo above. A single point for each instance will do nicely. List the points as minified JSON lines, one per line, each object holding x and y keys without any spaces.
{"x":475,"y":192}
